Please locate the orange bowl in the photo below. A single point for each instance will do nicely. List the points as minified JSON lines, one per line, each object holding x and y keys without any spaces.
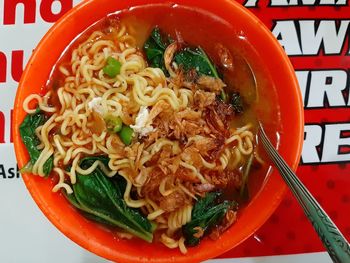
{"x":97,"y":239}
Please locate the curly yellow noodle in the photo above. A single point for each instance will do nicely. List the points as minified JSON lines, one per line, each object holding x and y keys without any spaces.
{"x":248,"y":146}
{"x":97,"y":46}
{"x":91,"y":151}
{"x":194,"y":170}
{"x":78,"y":139}
{"x":141,"y":178}
{"x":56,"y":139}
{"x":207,"y":164}
{"x":180,"y":217}
{"x":29,"y":99}
{"x":102,"y":148}
{"x":225,"y":158}
{"x":244,"y":139}
{"x":168,"y":241}
{"x":157,"y":146}
{"x":99,"y":138}
{"x":154,"y":76}
{"x":125,"y":53}
{"x":162,"y":186}
{"x":243,"y":128}
{"x":63,"y":70}
{"x":237,"y":158}
{"x":182,"y":246}
{"x":93,"y":167}
{"x":121,"y":31}
{"x":72,"y":172}
{"x":130,"y":202}
{"x":61,"y":183}
{"x":47,"y":108}
{"x":87,"y":74}
{"x":155,"y":214}
{"x":67,"y":158}
{"x":101,"y":83}
{"x":38,"y":167}
{"x":128,"y":40}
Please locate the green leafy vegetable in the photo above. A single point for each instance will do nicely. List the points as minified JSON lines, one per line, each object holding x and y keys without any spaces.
{"x":154,"y":48}
{"x":31,"y":141}
{"x":206,"y":213}
{"x":204,"y":203}
{"x":236,"y":102}
{"x":101,"y":199}
{"x":113,"y":123}
{"x":125,"y":134}
{"x":189,"y":57}
{"x":196,"y":58}
{"x":112,"y":68}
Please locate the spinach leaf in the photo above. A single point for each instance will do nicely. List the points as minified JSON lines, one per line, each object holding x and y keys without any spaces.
{"x":31,"y":141}
{"x":189,"y":57}
{"x":195,"y":58}
{"x":101,"y":199}
{"x":204,"y":203}
{"x":206,"y":214}
{"x":154,"y":48}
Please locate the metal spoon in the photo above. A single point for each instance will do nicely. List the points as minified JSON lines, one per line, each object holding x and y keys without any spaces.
{"x":333,"y":240}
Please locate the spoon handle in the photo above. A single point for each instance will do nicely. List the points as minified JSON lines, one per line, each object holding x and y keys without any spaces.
{"x":335,"y":243}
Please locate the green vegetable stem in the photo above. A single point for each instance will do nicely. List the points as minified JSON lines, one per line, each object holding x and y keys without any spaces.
{"x":206,"y":213}
{"x":31,"y":141}
{"x":100,"y":198}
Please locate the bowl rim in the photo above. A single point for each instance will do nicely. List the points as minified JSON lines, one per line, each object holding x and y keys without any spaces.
{"x":96,"y":248}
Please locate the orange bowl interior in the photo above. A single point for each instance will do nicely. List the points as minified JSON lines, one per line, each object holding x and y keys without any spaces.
{"x":98,"y":240}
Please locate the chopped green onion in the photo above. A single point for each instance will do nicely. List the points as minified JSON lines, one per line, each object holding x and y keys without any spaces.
{"x":113,"y":123}
{"x":112,"y":68}
{"x":125,"y":134}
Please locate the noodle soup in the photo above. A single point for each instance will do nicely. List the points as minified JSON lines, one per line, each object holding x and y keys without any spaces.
{"x":150,"y":129}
